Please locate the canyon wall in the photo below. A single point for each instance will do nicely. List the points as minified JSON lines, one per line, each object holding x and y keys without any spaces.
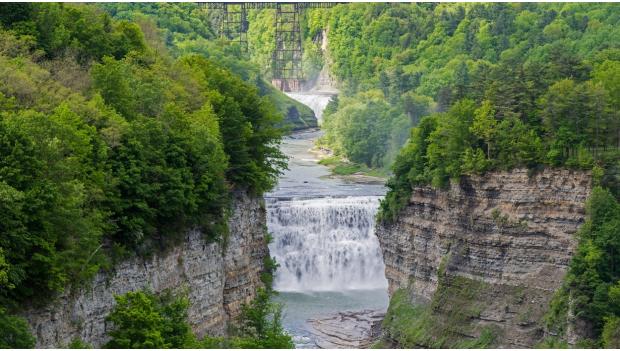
{"x":487,"y":253}
{"x":217,"y":278}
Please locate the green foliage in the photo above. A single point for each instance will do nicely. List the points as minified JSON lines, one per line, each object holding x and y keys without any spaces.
{"x":474,"y":161}
{"x":248,"y":124}
{"x":143,"y":320}
{"x":260,"y":326}
{"x":593,"y":281}
{"x":365,"y":129}
{"x":484,"y":125}
{"x":552,"y":343}
{"x":269,"y":268}
{"x":409,"y":168}
{"x":105,"y":138}
{"x":14,"y":332}
{"x":611,"y":333}
{"x":77,"y":343}
{"x":52,"y":228}
{"x":340,"y":167}
{"x":83,"y":30}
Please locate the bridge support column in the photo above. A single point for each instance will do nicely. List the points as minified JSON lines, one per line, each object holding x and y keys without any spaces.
{"x":287,"y":56}
{"x":235,"y":25}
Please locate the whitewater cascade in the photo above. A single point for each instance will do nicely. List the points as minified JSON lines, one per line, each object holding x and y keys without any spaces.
{"x":325,"y":244}
{"x":321,"y":90}
{"x":317,"y":101}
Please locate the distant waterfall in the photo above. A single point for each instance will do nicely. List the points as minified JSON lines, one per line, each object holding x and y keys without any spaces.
{"x":317,"y":101}
{"x":326,"y":244}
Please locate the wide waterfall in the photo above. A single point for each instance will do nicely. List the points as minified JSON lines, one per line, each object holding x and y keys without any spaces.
{"x":326,"y":244}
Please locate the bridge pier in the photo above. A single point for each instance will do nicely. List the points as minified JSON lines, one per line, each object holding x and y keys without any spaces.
{"x":287,"y":84}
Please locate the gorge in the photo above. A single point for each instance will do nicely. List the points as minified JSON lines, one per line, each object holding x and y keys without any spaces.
{"x":447,"y":175}
{"x":484,"y":257}
{"x":323,"y":240}
{"x":504,"y":238}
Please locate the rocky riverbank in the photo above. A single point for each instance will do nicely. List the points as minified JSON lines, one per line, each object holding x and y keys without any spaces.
{"x":347,"y":330}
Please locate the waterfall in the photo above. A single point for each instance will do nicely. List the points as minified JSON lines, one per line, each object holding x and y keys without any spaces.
{"x":317,"y":93}
{"x":317,"y":101}
{"x":325,"y":244}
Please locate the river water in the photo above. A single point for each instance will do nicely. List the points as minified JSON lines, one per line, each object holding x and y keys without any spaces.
{"x":323,"y":238}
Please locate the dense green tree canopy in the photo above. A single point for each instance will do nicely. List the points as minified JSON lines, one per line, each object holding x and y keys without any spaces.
{"x":109,"y":145}
{"x":549,"y":66}
{"x":190,"y":28}
{"x":593,"y":280}
{"x":141,"y":319}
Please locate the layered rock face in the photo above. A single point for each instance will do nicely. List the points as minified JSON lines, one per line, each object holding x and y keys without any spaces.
{"x":217,"y":278}
{"x":509,"y":235}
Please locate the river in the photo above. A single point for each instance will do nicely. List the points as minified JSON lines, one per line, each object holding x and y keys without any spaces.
{"x":324,"y":242}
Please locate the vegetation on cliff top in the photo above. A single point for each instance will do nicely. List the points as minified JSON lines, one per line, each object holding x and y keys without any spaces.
{"x":488,"y":86}
{"x":109,"y":145}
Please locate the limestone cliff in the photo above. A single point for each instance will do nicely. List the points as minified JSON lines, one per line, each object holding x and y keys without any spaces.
{"x":218,"y":279}
{"x":487,"y":254}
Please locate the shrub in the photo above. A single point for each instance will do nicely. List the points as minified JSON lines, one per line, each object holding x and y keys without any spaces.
{"x":14,"y":332}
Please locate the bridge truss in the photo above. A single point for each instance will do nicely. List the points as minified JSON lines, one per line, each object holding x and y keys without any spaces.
{"x":288,"y":52}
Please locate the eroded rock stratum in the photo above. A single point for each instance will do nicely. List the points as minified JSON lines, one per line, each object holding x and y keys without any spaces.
{"x":217,"y":279}
{"x":485,"y":256}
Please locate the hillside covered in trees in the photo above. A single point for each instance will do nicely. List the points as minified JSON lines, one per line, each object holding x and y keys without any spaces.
{"x":545,"y":74}
{"x":111,"y":146}
{"x":489,"y":87}
{"x":189,"y":28}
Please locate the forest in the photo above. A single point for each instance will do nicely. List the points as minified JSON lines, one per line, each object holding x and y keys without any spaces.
{"x":546,"y":73}
{"x":188,"y":28}
{"x":111,"y":146}
{"x":489,"y":87}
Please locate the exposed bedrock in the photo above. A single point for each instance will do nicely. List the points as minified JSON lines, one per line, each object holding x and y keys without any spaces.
{"x":217,"y":280}
{"x":511,"y":234}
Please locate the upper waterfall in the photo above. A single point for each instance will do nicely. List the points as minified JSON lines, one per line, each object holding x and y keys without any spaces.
{"x":316,"y":100}
{"x":317,"y":92}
